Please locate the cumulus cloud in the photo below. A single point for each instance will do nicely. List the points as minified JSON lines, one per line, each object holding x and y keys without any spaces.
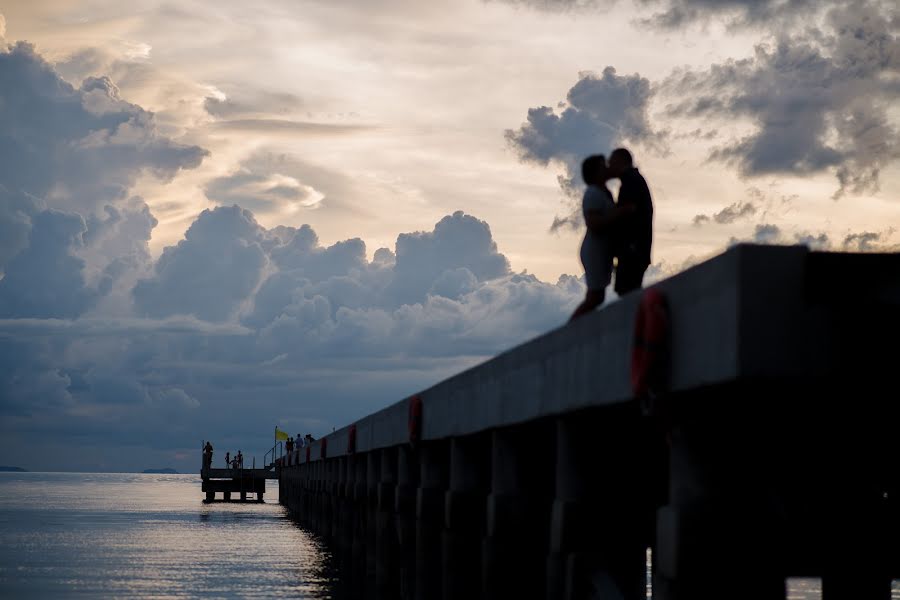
{"x":209,"y":273}
{"x":862,"y":242}
{"x":236,"y":312}
{"x":729,"y":214}
{"x":85,"y":146}
{"x":77,"y":151}
{"x":818,"y":101}
{"x":600,"y":113}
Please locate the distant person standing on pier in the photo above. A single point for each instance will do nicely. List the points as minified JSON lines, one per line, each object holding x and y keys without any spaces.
{"x":300,"y":441}
{"x":634,"y":232}
{"x":227,"y":459}
{"x":240,"y":460}
{"x":289,"y":445}
{"x":600,"y":214}
{"x":207,"y":455}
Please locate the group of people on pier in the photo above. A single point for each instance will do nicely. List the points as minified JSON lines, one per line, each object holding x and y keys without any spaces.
{"x":236,"y":462}
{"x":299,"y":442}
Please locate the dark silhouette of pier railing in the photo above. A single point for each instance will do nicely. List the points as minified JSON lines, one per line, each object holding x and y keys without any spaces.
{"x":765,"y":447}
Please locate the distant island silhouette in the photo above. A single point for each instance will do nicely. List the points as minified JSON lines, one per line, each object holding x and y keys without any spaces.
{"x":12,"y":470}
{"x":165,"y":471}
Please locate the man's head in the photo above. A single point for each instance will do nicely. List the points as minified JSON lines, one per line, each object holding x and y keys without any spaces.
{"x":619,"y":161}
{"x":593,"y":170}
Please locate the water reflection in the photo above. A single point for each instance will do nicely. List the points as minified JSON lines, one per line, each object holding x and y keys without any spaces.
{"x":148,"y":535}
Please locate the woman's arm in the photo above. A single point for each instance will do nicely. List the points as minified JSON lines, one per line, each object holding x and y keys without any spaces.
{"x":602,"y":222}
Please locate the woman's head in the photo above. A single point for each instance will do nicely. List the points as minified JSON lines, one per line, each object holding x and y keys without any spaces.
{"x":593,"y":170}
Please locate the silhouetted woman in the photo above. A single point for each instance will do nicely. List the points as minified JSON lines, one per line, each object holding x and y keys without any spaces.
{"x":597,"y":248}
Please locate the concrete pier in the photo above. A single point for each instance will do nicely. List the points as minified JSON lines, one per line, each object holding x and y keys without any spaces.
{"x":235,"y":481}
{"x":765,"y":448}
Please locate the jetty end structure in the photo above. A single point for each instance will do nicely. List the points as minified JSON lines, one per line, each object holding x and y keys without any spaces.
{"x":738,"y":419}
{"x":236,"y":480}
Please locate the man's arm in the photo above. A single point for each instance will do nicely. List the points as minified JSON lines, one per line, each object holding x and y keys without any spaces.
{"x":602,"y":222}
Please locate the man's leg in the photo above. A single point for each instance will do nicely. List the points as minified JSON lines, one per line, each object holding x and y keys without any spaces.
{"x":592,"y":300}
{"x":629,"y":277}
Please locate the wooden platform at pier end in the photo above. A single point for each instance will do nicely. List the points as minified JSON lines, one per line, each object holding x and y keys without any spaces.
{"x":236,"y":481}
{"x":772,"y":452}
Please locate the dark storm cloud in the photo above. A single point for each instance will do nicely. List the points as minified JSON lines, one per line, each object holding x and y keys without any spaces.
{"x":671,"y":14}
{"x":600,"y":112}
{"x":46,"y":279}
{"x":819,"y":101}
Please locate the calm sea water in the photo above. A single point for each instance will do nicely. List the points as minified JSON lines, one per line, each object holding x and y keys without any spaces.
{"x":148,"y":536}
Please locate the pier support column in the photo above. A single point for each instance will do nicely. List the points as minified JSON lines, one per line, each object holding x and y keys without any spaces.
{"x":722,"y":524}
{"x":359,"y":524}
{"x":434,"y":478}
{"x":405,"y":518}
{"x":518,"y":509}
{"x":604,"y":512}
{"x":464,"y":517}
{"x":387,"y":584}
{"x":373,"y":478}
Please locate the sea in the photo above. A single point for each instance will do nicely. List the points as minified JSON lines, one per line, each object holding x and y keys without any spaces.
{"x":119,"y":535}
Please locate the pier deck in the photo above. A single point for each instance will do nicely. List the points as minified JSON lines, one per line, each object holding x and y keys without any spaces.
{"x":236,"y":481}
{"x":767,"y":449}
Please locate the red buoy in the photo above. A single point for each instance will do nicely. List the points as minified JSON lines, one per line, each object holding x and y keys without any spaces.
{"x":414,"y":422}
{"x":351,"y":439}
{"x":649,"y":356}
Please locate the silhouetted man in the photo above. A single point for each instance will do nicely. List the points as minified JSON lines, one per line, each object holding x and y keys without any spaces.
{"x":634,"y":232}
{"x":207,"y":455}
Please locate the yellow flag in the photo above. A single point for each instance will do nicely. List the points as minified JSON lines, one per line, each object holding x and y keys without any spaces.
{"x":280,"y":436}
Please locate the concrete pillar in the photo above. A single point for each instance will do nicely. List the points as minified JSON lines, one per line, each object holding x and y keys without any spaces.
{"x":405,"y":518}
{"x":719,"y":526}
{"x":518,"y":510}
{"x":604,"y":510}
{"x":373,"y":478}
{"x":434,"y":480}
{"x":360,"y":516}
{"x":387,"y":584}
{"x":464,"y":517}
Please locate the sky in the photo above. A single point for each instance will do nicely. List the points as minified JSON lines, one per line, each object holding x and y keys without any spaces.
{"x":218,"y":217}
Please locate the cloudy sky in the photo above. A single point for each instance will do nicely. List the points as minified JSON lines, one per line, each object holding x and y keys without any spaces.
{"x":216,"y":217}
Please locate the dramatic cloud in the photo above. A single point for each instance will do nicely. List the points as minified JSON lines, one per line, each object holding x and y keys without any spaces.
{"x":209,"y":273}
{"x":84,"y":147}
{"x":600,"y":113}
{"x":47,"y":279}
{"x":78,"y":150}
{"x":237,"y":311}
{"x":818,"y":101}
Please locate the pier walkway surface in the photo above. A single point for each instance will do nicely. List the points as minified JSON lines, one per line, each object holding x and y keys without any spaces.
{"x":739,"y":419}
